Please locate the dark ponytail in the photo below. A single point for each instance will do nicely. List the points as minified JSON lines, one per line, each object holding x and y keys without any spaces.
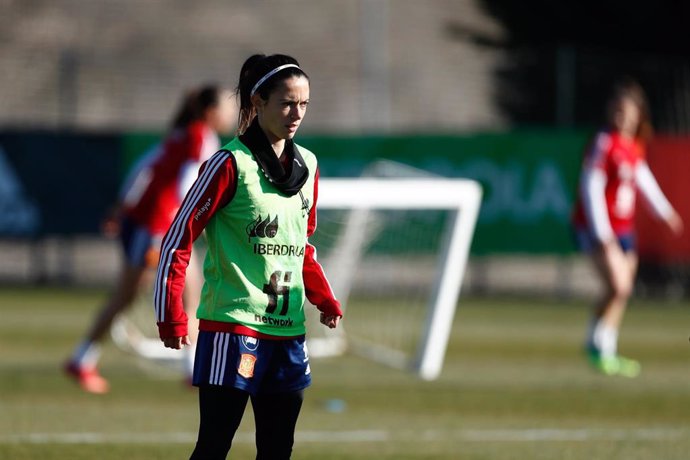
{"x":195,"y":104}
{"x":255,"y":68}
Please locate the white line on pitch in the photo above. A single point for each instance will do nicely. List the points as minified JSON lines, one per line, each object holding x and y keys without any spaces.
{"x":358,"y":436}
{"x":556,"y":435}
{"x":185,"y":437}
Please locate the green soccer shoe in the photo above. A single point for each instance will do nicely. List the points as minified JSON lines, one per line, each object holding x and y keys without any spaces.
{"x":613,"y":365}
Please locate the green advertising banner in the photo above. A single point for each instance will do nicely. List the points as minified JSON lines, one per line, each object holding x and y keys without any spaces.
{"x":529,"y":177}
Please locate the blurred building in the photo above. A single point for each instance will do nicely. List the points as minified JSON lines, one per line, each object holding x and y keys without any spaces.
{"x":375,"y":65}
{"x":382,"y":66}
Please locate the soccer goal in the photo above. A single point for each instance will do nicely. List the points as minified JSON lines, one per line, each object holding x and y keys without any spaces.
{"x":395,"y":252}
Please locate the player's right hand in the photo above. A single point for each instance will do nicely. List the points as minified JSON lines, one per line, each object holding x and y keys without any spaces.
{"x":110,"y":225}
{"x":176,"y":343}
{"x":330,"y":320}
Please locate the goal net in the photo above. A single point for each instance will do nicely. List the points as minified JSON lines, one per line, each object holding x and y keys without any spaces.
{"x":395,"y":252}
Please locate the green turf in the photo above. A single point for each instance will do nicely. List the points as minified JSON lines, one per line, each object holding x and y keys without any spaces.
{"x":515,"y":386}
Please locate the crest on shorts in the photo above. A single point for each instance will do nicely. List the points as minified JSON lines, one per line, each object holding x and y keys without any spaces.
{"x":250,"y":343}
{"x":246,"y":368}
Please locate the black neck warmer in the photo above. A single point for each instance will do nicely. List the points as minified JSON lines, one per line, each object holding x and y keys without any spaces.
{"x":288,"y":180}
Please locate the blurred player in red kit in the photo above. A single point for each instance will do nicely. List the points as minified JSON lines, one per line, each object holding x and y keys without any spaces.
{"x":613,"y":171}
{"x":148,"y":203}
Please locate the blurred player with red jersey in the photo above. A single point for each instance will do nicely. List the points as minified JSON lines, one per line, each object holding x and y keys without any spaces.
{"x":149,"y":200}
{"x":157,"y":204}
{"x":615,"y":160}
{"x":614,"y":169}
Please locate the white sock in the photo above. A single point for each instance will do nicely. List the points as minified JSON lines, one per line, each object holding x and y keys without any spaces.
{"x":87,"y":354}
{"x":603,"y":338}
{"x":189,"y":353}
{"x":610,"y":347}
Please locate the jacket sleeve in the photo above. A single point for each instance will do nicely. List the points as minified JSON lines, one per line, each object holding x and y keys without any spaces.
{"x":593,"y":193}
{"x":316,"y":285}
{"x":593,"y":188}
{"x":651,"y":191}
{"x":213,"y":189}
{"x":203,"y":143}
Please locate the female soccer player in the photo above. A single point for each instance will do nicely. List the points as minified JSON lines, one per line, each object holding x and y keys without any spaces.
{"x":256,"y":199}
{"x":614,"y":169}
{"x":148,"y":204}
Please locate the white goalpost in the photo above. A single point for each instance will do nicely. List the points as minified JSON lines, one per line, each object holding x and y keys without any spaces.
{"x":368,"y":203}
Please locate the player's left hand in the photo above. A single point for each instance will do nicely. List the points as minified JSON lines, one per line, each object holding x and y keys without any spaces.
{"x":330,"y":320}
{"x":675,"y":223}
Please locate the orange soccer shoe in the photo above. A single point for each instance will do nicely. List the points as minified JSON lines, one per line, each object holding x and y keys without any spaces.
{"x":88,"y":378}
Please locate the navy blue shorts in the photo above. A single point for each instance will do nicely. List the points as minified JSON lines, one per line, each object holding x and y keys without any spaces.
{"x":138,"y":243}
{"x":250,"y":364}
{"x":586,"y":241}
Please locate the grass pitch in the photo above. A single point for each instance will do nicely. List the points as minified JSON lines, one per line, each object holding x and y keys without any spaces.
{"x":515,"y":386}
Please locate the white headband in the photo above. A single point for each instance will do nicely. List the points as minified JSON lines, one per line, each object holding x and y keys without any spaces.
{"x":269,"y":75}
